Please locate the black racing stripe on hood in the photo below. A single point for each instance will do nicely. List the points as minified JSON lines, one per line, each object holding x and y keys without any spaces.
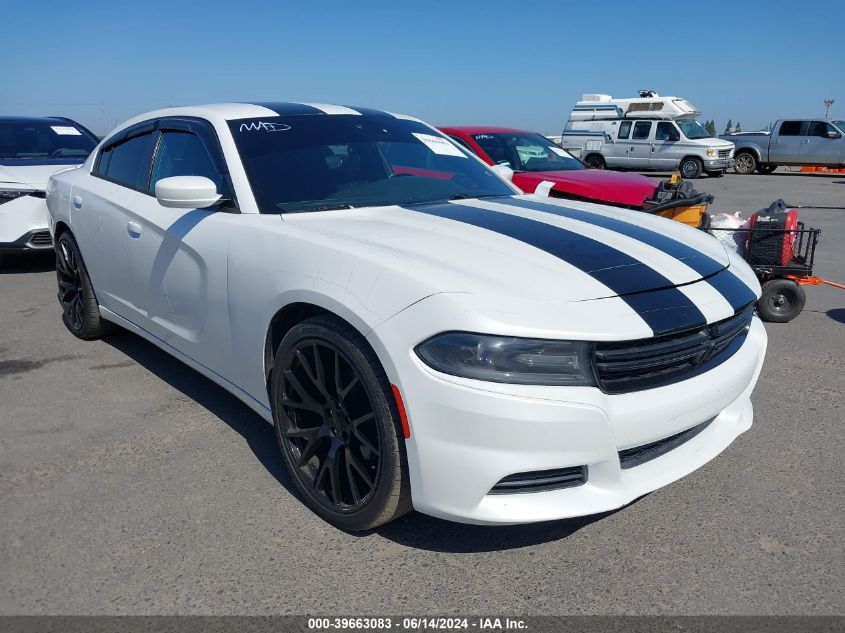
{"x":695,"y":259}
{"x":733,"y":289}
{"x":668,"y":311}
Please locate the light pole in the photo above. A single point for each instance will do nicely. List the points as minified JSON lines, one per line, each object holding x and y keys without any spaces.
{"x":827,"y":104}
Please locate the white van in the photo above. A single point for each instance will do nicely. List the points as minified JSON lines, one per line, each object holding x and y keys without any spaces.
{"x":646,"y":133}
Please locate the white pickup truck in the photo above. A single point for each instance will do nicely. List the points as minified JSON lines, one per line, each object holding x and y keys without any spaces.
{"x":792,"y":142}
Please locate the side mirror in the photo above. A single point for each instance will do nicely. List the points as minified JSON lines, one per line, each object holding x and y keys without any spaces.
{"x":504,"y":171}
{"x":186,"y":192}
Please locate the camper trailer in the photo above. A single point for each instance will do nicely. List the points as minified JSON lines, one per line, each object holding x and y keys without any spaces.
{"x":648,"y":132}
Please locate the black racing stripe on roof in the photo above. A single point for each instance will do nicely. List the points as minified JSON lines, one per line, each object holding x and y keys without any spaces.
{"x":666,"y":310}
{"x":370,"y":111}
{"x":289,"y":109}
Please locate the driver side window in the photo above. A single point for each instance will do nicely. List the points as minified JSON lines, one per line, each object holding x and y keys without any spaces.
{"x":183,"y":154}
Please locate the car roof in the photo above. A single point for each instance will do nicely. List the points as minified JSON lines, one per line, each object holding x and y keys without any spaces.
{"x":33,"y":119}
{"x":482,"y":129}
{"x":224,"y":112}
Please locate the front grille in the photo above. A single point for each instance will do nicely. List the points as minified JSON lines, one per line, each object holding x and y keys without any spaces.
{"x":40,"y":238}
{"x":724,"y":153}
{"x":540,"y":480}
{"x":627,"y":366}
{"x":631,"y":457}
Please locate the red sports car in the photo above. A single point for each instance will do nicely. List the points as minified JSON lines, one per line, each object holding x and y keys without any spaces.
{"x":536,"y":160}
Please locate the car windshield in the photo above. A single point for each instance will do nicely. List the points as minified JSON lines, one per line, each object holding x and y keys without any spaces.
{"x":840,"y":125}
{"x":693,"y":130}
{"x":34,"y":141}
{"x":526,"y":151}
{"x":322,"y":162}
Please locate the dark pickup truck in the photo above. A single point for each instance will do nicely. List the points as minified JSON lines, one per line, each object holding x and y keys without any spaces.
{"x":791,"y":142}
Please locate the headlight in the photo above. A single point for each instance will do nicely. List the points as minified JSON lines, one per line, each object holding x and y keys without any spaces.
{"x":521,"y":361}
{"x":712,"y":152}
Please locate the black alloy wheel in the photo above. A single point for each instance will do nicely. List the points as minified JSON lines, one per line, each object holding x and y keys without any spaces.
{"x":337,"y":425}
{"x":70,"y":286}
{"x":80,"y":312}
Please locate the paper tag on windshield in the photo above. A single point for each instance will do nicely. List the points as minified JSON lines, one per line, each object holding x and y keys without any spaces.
{"x":558,"y":151}
{"x":439,"y":145}
{"x":65,"y":130}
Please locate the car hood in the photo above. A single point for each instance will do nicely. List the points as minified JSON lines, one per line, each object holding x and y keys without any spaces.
{"x":523,"y":247}
{"x":592,"y":184}
{"x":714,"y":142}
{"x":33,"y":176}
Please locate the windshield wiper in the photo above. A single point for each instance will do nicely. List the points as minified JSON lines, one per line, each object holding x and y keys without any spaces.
{"x":325,"y":207}
{"x":467,"y":196}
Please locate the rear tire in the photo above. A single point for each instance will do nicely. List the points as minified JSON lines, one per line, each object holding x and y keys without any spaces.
{"x":80,"y":311}
{"x":691,"y":168}
{"x":766,"y":169}
{"x":595,"y":161}
{"x":745,"y":163}
{"x":782,"y":301}
{"x":338,"y":425}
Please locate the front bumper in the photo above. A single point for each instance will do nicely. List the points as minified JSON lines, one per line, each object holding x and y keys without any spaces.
{"x":468,"y":435}
{"x":24,"y":226}
{"x":718,"y":164}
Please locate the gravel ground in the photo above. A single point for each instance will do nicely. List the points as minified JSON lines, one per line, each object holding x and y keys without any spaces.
{"x":129,"y":484}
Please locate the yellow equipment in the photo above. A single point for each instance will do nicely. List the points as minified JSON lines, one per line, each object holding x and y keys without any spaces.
{"x":677,"y":200}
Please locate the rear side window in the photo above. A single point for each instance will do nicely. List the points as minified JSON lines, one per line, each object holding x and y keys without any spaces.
{"x":128,"y":163}
{"x":183,"y":154}
{"x":624,"y":129}
{"x":642,"y":129}
{"x":821,"y":128}
{"x":791,"y":128}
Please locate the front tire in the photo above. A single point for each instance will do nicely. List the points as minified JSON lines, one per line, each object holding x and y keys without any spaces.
{"x":691,"y":168}
{"x":745,"y":163}
{"x":595,"y":161}
{"x":782,"y":300}
{"x":80,"y":311}
{"x":338,"y":425}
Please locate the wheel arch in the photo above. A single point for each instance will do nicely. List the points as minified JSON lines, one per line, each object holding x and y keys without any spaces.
{"x":749,"y":149}
{"x":299,"y":309}
{"x":60,"y":228}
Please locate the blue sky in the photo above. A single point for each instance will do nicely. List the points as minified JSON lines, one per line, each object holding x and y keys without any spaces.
{"x":521,"y":64}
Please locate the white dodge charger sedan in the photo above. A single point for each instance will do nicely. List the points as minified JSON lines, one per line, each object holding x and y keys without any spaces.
{"x":420,"y":333}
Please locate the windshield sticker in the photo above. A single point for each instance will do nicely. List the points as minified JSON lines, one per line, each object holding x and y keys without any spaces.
{"x":65,"y":130}
{"x":261,"y":126}
{"x":438,"y":145}
{"x":558,"y":151}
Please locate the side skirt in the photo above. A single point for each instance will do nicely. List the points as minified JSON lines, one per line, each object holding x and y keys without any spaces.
{"x":232,"y":388}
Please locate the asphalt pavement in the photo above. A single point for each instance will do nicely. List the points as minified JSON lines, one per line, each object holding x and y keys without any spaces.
{"x":130,"y":484}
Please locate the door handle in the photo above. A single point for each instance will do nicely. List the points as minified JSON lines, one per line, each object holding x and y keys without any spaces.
{"x":134,"y":229}
{"x":77,"y":202}
{"x":806,"y":140}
